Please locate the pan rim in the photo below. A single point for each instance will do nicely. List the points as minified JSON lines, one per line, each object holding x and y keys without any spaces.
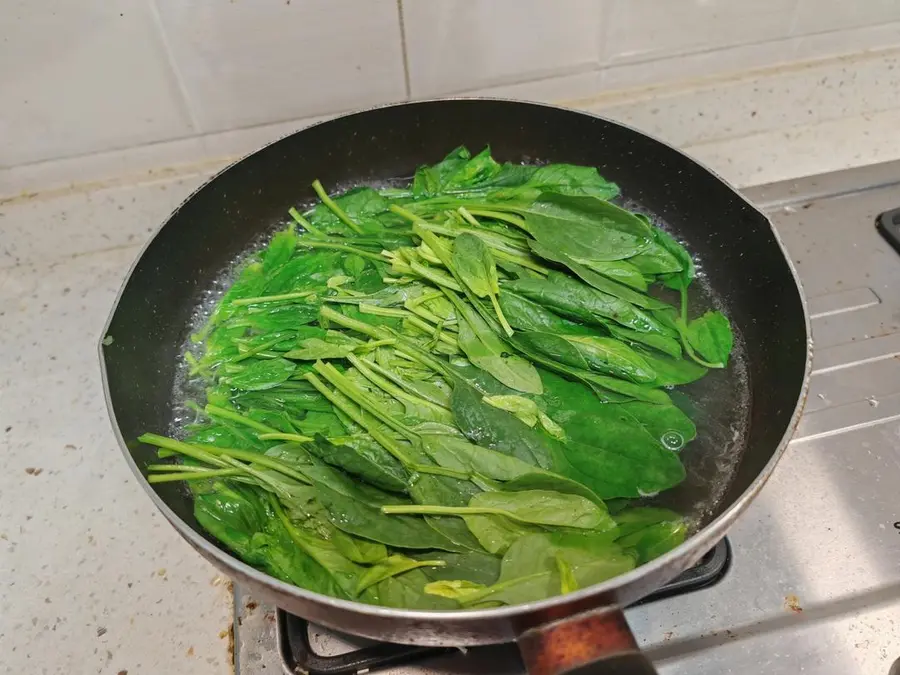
{"x":704,"y":539}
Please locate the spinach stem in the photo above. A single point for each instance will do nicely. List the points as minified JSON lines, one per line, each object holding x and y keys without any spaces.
{"x":293,"y":438}
{"x":404,"y":213}
{"x":334,"y":208}
{"x":468,"y":216}
{"x":357,"y":395}
{"x":359,"y":417}
{"x":272,"y":298}
{"x":397,"y":379}
{"x":304,"y":223}
{"x":181,"y":448}
{"x":499,"y":215}
{"x":230,"y":454}
{"x":435,"y":276}
{"x":224,"y":413}
{"x":429,"y":510}
{"x":503,"y":322}
{"x":192,"y":475}
{"x":348,"y":322}
{"x":341,"y":247}
{"x":175,"y":468}
{"x":255,"y":351}
{"x":389,"y":387}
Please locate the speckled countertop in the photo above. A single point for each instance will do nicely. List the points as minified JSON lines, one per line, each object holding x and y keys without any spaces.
{"x":92,"y":579}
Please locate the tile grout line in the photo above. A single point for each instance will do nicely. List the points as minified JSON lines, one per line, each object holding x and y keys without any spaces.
{"x":403,"y":50}
{"x":176,"y":71}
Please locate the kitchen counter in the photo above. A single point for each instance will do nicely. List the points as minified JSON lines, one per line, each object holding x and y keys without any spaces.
{"x":92,"y":579}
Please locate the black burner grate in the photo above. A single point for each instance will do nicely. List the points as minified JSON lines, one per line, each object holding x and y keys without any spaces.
{"x":298,"y":655}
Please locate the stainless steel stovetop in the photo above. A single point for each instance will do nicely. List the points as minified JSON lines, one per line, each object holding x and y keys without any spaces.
{"x":814,"y":584}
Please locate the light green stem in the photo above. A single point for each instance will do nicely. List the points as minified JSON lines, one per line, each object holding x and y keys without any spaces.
{"x":428,"y":510}
{"x":272,"y":298}
{"x":353,"y":392}
{"x":335,"y":209}
{"x":292,"y":438}
{"x":341,"y":247}
{"x":359,"y":417}
{"x":193,"y":475}
{"x":225,"y":414}
{"x":353,"y":324}
{"x":304,"y":223}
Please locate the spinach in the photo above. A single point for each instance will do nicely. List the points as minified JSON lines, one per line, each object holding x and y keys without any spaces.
{"x":261,"y":375}
{"x":590,"y":352}
{"x":364,"y":458}
{"x":391,"y":567}
{"x":484,"y":349}
{"x":711,"y":337}
{"x":534,"y":507}
{"x":475,"y":266}
{"x":363,"y":520}
{"x":409,"y":383}
{"x":498,"y":430}
{"x":530,"y":571}
{"x":564,"y":295}
{"x":589,"y":276}
{"x":479,"y":568}
{"x":585,"y":227}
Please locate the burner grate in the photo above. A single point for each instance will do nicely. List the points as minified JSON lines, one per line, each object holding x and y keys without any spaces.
{"x":298,"y":655}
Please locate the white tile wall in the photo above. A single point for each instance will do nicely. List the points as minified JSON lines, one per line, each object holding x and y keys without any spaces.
{"x":458,"y":45}
{"x":247,"y":62}
{"x":817,"y":16}
{"x":213,"y":76}
{"x":645,"y":29}
{"x":85,"y":76}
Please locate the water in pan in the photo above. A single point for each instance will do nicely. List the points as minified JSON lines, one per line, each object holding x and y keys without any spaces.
{"x":719,"y":404}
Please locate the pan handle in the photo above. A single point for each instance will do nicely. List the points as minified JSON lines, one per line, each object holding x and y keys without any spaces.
{"x":598,"y":642}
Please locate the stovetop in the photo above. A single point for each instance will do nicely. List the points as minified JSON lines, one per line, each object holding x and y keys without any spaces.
{"x":814,"y":583}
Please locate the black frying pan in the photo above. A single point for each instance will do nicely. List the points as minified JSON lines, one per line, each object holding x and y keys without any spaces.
{"x":744,"y":269}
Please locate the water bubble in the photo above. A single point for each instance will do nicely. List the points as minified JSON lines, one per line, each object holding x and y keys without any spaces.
{"x":672,"y":440}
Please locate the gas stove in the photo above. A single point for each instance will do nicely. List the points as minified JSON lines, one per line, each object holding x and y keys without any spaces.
{"x":812,"y":582}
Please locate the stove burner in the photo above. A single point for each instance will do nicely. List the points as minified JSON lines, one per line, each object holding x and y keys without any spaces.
{"x":298,"y":655}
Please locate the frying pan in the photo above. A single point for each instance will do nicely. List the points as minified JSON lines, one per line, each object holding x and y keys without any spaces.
{"x":743,"y":264}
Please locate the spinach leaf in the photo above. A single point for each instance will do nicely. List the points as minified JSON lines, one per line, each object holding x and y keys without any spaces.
{"x":391,"y":567}
{"x":498,"y":430}
{"x":590,"y":352}
{"x":261,"y":375}
{"x":474,"y":264}
{"x":365,"y":521}
{"x":480,"y":568}
{"x":406,"y":591}
{"x":358,"y":550}
{"x":586,"y":227}
{"x":279,"y":250}
{"x":534,"y":507}
{"x":564,"y":295}
{"x":711,"y":337}
{"x":484,"y":349}
{"x":598,"y":281}
{"x":364,"y":458}
{"x":496,"y":533}
{"x":618,"y":270}
{"x":527,"y":315}
{"x":530,"y":571}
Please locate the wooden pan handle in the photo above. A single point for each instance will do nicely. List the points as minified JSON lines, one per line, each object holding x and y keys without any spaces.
{"x":595,"y":643}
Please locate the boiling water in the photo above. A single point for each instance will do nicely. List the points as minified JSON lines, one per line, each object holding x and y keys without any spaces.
{"x":719,"y":404}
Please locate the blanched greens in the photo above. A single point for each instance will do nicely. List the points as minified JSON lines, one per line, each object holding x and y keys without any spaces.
{"x":424,"y":397}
